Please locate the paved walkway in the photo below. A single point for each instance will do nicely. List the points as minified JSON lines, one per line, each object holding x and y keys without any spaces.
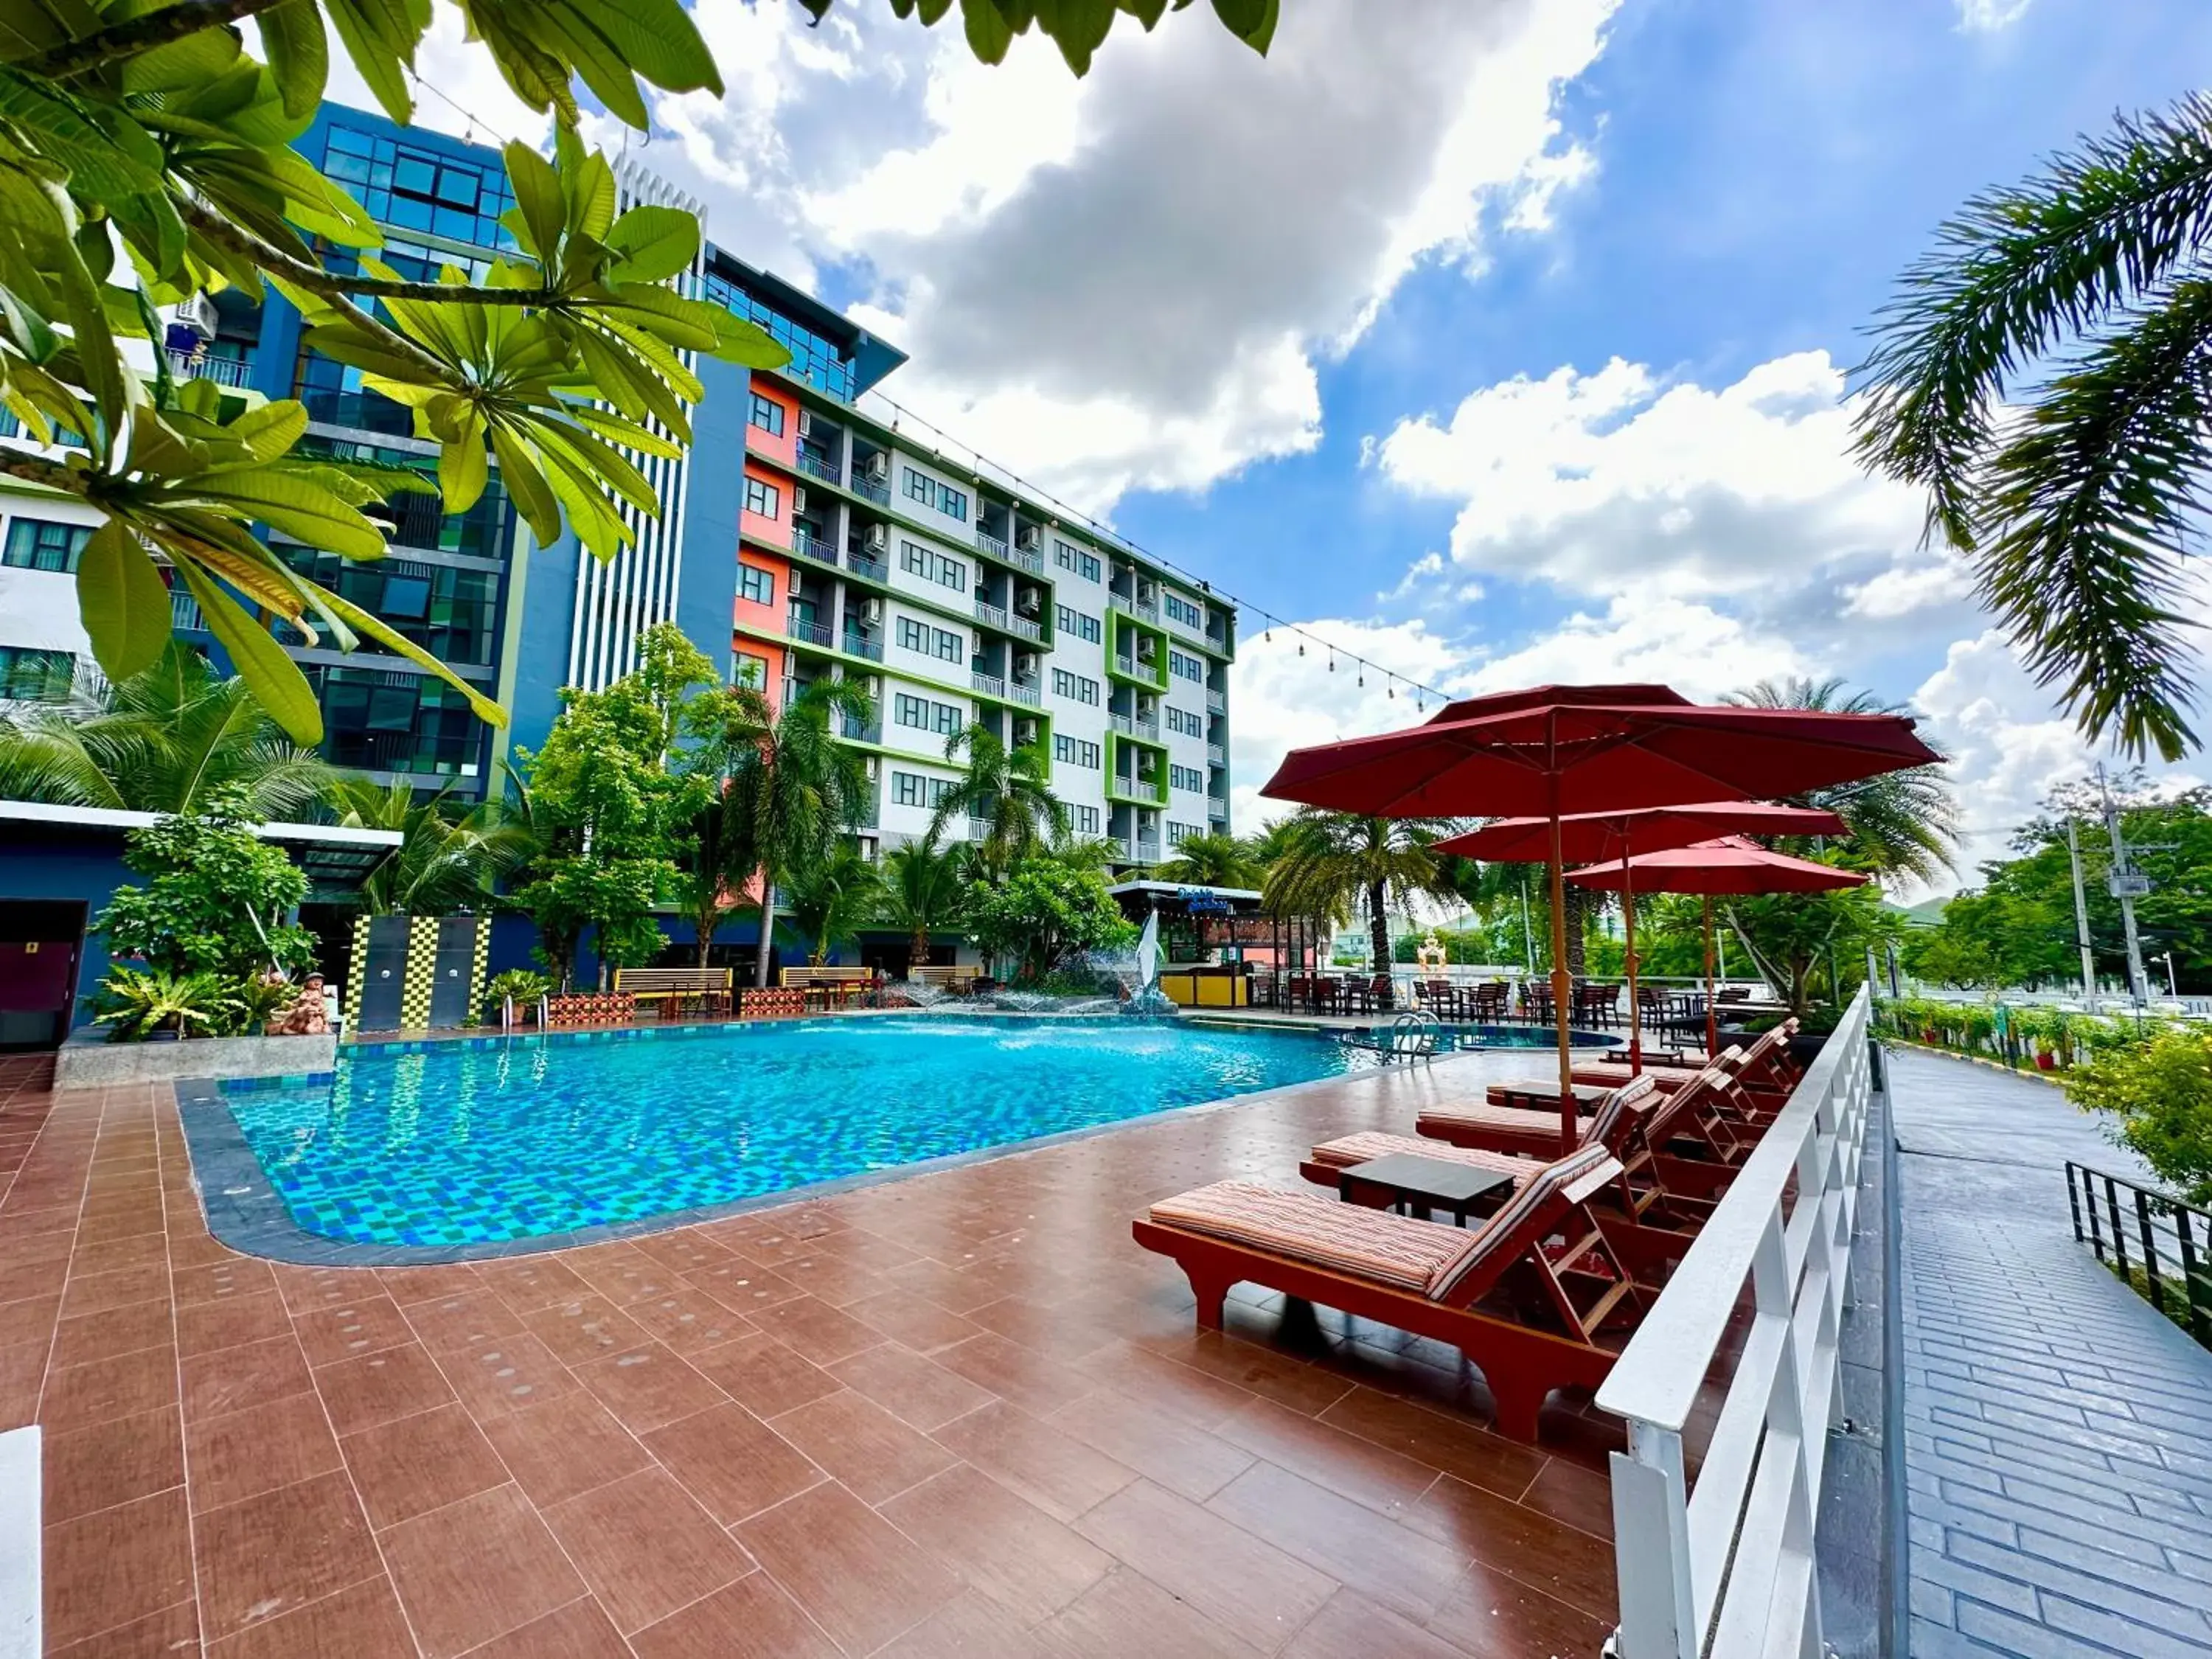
{"x":2059,"y":1431}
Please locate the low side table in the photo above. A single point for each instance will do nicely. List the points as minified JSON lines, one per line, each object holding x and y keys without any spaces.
{"x":1414,"y":1185}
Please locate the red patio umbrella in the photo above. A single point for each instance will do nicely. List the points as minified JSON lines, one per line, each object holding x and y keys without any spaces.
{"x":1572,"y":749}
{"x":1728,"y":865}
{"x":1595,"y":836}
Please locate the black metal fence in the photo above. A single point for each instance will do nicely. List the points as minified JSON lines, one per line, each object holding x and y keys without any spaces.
{"x":2159,"y":1245}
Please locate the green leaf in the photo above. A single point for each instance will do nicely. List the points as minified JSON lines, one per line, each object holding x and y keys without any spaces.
{"x":180,"y":64}
{"x":654,"y":242}
{"x":988,"y":37}
{"x":658,"y":39}
{"x":123,"y":601}
{"x":26,"y":330}
{"x":297,"y":506}
{"x":275,"y":679}
{"x":272,"y":429}
{"x":299,"y":54}
{"x":462,"y":467}
{"x":538,"y":194}
{"x":1252,"y":21}
{"x":362,"y":26}
{"x":533,"y":496}
{"x":104,"y":375}
{"x":1078,"y":28}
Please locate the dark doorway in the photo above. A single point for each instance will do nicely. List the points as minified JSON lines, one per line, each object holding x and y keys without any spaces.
{"x":41,"y":945}
{"x":385,"y":982}
{"x":454,"y":987}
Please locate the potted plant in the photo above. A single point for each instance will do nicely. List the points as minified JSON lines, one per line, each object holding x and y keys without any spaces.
{"x":523,"y":987}
{"x":147,"y":1004}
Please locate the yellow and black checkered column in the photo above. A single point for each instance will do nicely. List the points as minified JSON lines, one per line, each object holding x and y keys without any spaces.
{"x":356,"y":973}
{"x":421,"y":973}
{"x":479,"y":969}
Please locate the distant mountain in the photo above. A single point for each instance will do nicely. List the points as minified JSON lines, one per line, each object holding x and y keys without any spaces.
{"x":1928,"y":913}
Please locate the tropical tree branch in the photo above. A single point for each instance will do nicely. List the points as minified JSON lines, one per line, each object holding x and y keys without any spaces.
{"x":34,"y":469}
{"x":140,"y":34}
{"x":2088,"y":509}
{"x":220,"y":230}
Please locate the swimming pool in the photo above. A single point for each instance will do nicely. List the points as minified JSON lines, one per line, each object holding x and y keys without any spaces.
{"x":457,"y":1144}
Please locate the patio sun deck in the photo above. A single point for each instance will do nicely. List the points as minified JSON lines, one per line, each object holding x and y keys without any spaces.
{"x":959,"y":1412}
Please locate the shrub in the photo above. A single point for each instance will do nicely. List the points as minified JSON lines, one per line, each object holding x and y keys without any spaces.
{"x":525,"y":987}
{"x":2159,"y":1090}
{"x":215,"y":900}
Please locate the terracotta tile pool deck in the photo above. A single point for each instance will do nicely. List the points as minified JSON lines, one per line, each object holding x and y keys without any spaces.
{"x":956,"y":1413}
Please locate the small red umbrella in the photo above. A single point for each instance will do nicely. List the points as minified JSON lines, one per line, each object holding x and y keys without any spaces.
{"x":1595,"y":836}
{"x":1731,"y":865}
{"x":1570,"y":748}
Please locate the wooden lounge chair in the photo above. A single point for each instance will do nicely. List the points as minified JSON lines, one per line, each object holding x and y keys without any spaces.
{"x":1544,"y":1312}
{"x":1534,"y":1132}
{"x":1767,"y":1067}
{"x":1322,"y":1165}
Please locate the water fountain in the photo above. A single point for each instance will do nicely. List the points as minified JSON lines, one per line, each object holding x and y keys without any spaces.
{"x":921,"y":992}
{"x":1146,"y":1000}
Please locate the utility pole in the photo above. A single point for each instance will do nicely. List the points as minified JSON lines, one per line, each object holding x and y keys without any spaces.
{"x":2128,"y":885}
{"x":2081,"y":920}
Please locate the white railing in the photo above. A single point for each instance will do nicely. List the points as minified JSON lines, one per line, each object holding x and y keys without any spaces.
{"x":1726,"y":1568}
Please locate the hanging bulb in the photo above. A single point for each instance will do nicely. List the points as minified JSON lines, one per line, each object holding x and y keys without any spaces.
{"x":1392,"y":694}
{"x":1332,"y":662}
{"x":1363,"y":677}
{"x":1302,"y":648}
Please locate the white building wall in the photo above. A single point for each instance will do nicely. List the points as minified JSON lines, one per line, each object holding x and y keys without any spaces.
{"x":958,"y":532}
{"x":38,"y":608}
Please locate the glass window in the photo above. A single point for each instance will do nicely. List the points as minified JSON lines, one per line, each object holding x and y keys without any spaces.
{"x":912,"y":635}
{"x":756,"y":584}
{"x":1183,"y":610}
{"x":1085,"y":819}
{"x":749,"y":670}
{"x":1070,"y":557}
{"x":768,"y":415}
{"x":45,"y":545}
{"x":1189,"y":668}
{"x":938,"y":497}
{"x":813,"y":359}
{"x":762,"y":497}
{"x":1075,"y":623}
{"x":27,"y":676}
{"x":1074,"y":751}
{"x":950,"y":647}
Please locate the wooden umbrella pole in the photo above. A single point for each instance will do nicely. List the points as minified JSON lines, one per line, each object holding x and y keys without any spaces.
{"x":1628,"y":958}
{"x":1562,"y":987}
{"x":1712,"y":1024}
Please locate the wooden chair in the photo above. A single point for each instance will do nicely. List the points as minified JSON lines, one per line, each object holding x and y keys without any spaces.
{"x":1528,"y":1297}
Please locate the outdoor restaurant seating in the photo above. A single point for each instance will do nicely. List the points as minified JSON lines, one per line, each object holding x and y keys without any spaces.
{"x":1533,"y":1318}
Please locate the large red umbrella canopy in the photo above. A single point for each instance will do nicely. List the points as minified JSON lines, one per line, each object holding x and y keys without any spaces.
{"x":1730,"y":866}
{"x":1560,"y":750}
{"x":1567,"y":750}
{"x":1596,"y":836}
{"x":1592,"y":837}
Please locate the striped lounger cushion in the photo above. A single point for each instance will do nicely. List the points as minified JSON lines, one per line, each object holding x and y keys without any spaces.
{"x":1345,"y":1238}
{"x":1578,"y":1174}
{"x":1347,"y":1150}
{"x":1518,"y":1120}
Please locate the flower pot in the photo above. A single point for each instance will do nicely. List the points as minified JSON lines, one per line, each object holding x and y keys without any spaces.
{"x":2046,"y":1062}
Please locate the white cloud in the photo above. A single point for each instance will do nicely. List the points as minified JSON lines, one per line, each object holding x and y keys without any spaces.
{"x":1989,"y":17}
{"x":1130,"y":280}
{"x":1610,"y":481}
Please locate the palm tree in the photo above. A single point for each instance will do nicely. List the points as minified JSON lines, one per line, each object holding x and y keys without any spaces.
{"x":451,"y":851}
{"x":161,"y":741}
{"x":1902,"y":823}
{"x":794,"y":789}
{"x":832,"y":897}
{"x":1331,"y":862}
{"x":2079,"y":299}
{"x":1009,"y":791}
{"x":923,"y":891}
{"x":1211,"y":858}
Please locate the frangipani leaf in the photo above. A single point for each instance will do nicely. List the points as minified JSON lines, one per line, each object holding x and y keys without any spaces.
{"x":121,"y":600}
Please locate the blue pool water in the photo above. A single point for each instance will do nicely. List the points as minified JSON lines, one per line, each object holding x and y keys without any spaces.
{"x":453,"y":1144}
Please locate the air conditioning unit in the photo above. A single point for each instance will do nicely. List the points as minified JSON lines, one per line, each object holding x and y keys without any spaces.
{"x":805,"y":424}
{"x":878,"y":538}
{"x":878,"y":467}
{"x":1027,"y":600}
{"x":875,"y":768}
{"x":1146,"y":593}
{"x":1147,"y":653}
{"x":1147,"y":709}
{"x":798,"y":500}
{"x":1025,"y":731}
{"x":197,"y":313}
{"x":1025,"y":664}
{"x":874,"y":685}
{"x":871,"y":612}
{"x":1031,"y":539}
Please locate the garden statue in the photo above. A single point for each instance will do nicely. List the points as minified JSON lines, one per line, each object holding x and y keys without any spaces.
{"x":307,"y":1015}
{"x":1431,"y":955}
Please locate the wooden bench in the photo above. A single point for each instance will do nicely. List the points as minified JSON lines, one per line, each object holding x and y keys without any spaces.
{"x":672,"y":987}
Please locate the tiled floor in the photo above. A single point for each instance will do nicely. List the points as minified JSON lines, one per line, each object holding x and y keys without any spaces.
{"x":960,"y":1414}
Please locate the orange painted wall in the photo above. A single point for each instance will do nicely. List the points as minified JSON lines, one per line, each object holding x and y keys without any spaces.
{"x":775,"y":531}
{"x":748,"y":615}
{"x":785,"y":449}
{"x":753,"y":646}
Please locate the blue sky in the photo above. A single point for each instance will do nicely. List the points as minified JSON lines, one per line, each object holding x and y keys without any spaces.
{"x":1502,"y":343}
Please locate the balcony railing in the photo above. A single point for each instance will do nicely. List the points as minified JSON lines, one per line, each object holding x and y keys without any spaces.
{"x":874,"y":566}
{"x":1148,"y":849}
{"x":820,"y":467}
{"x":185,"y":615}
{"x":1217,"y":700}
{"x":1135,"y":726}
{"x":991,"y":615}
{"x":1025,"y":693}
{"x":1124,"y":664}
{"x":1215,"y":756}
{"x":1025,"y":626}
{"x":1022,"y":558}
{"x":860,"y":731}
{"x":223,"y":371}
{"x":858,"y":644}
{"x":1143,"y":611}
{"x":873,"y":489}
{"x":812,"y":633}
{"x":808,"y":546}
{"x":1123,"y":724}
{"x":1217,"y":810}
{"x":994,"y":545}
{"x":989,"y":685}
{"x":1725,"y":1564}
{"x":1148,"y":726}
